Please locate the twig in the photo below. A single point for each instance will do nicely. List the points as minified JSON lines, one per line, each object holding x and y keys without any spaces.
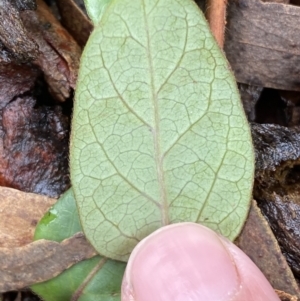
{"x":216,"y":16}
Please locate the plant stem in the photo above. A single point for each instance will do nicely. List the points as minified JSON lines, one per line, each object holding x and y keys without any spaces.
{"x":216,"y":16}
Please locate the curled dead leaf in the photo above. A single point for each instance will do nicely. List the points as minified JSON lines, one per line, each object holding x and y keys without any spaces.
{"x":259,"y":243}
{"x":59,"y":53}
{"x":285,"y":297}
{"x":75,"y":21}
{"x":40,"y":261}
{"x":276,"y":188}
{"x":19,"y":214}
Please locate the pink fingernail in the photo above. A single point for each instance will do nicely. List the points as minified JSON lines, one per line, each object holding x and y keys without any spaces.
{"x":181,"y":263}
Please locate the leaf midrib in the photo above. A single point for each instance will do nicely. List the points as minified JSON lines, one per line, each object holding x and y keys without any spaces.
{"x":80,"y":290}
{"x":156,"y":132}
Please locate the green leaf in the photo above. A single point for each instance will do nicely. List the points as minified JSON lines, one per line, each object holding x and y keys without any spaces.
{"x":159,"y":134}
{"x":93,"y":279}
{"x":96,"y":8}
{"x":61,"y":221}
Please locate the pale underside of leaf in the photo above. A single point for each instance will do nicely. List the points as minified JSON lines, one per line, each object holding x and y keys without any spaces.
{"x":96,"y":8}
{"x":158,"y":135}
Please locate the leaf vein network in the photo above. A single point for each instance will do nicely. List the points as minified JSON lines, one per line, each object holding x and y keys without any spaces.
{"x":122,"y":176}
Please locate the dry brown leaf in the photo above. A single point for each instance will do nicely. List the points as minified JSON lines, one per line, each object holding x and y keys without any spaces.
{"x":276,"y":189}
{"x":75,"y":21}
{"x":277,"y":1}
{"x":285,"y":297}
{"x":15,"y":80}
{"x":34,"y":147}
{"x":19,"y":214}
{"x":33,"y":136}
{"x":59,"y":53}
{"x":40,"y":261}
{"x":259,"y":243}
{"x":262,"y":43}
{"x":14,"y":36}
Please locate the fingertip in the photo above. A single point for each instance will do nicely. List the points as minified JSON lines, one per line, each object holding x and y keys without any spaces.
{"x":180,"y":262}
{"x":254,"y":286}
{"x":126,"y":290}
{"x":191,"y":262}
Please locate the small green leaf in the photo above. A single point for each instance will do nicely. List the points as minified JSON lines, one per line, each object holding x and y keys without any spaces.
{"x":61,"y":221}
{"x":96,"y":8}
{"x":93,"y":279}
{"x":159,"y":135}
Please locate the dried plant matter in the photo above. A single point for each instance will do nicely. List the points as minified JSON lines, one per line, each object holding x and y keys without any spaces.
{"x":286,"y":297}
{"x":34,"y":147}
{"x":277,"y":187}
{"x":216,"y":16}
{"x":19,"y":215}
{"x":259,"y":243}
{"x":75,"y":21}
{"x":262,"y":49}
{"x":14,"y":37}
{"x":19,"y":268}
{"x":59,"y":53}
{"x":16,"y":80}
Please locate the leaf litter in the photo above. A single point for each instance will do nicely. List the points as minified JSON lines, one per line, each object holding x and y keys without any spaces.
{"x":262,"y":83}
